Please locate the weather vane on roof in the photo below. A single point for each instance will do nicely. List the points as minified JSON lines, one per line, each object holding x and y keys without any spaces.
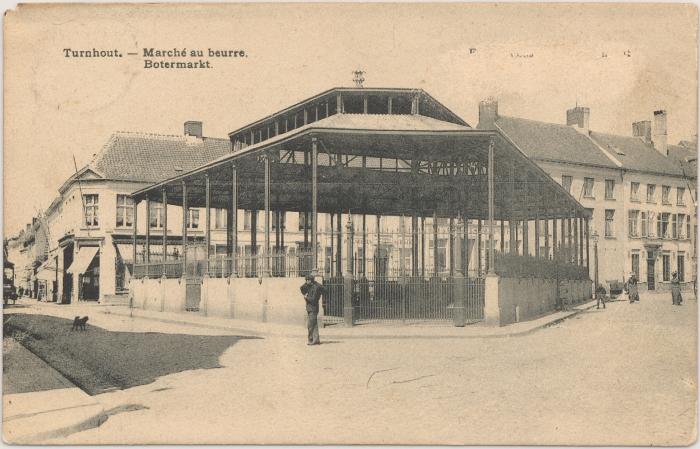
{"x":359,"y":77}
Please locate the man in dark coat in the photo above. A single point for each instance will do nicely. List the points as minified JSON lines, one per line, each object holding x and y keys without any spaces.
{"x":312,"y":292}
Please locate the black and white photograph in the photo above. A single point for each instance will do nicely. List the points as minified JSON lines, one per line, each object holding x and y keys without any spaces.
{"x":350,"y":223}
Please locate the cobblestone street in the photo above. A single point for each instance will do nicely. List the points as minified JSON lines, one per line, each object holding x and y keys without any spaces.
{"x":623,"y":375}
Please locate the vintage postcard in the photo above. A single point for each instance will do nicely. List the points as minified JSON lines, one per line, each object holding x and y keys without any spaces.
{"x":350,"y":223}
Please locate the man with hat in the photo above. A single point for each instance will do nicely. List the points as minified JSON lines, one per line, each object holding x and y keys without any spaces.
{"x":312,"y":292}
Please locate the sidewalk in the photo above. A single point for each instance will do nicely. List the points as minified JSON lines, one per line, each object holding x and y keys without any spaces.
{"x":368,"y":331}
{"x":36,"y":416}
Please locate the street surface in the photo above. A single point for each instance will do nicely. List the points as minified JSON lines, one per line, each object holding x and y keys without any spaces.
{"x":623,"y":375}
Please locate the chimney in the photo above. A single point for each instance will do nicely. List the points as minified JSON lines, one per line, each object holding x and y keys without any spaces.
{"x":642,"y":129}
{"x":659,"y":136}
{"x":488,"y":113}
{"x":193,"y":128}
{"x":578,"y":116}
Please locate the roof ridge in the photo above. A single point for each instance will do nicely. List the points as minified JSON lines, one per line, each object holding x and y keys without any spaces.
{"x":170,"y":136}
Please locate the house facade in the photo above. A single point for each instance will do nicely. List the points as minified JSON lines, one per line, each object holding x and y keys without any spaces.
{"x":640,"y":190}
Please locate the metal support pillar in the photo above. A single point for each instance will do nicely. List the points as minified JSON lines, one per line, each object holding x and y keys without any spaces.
{"x":576,"y":241}
{"x":422,"y":246}
{"x":435,"y":244}
{"x":339,"y":240}
{"x":414,"y":244}
{"x":233,"y":249}
{"x":147,"y":249}
{"x":363,"y":267}
{"x":135,"y":235}
{"x":491,"y":184}
{"x":266,"y":249}
{"x":207,"y":221}
{"x":555,"y":252}
{"x":314,"y":205}
{"x":478,"y":249}
{"x":588,"y":249}
{"x":580,"y":243}
{"x":503,"y":236}
{"x":348,"y":306}
{"x":254,"y":241}
{"x":451,"y":243}
{"x":537,"y":237}
{"x":460,"y":290}
{"x":546,"y":237}
{"x":526,"y":237}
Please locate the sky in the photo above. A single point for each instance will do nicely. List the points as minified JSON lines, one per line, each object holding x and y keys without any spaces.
{"x":623,"y":61}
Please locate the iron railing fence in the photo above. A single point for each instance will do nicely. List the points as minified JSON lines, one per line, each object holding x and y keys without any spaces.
{"x":276,"y":265}
{"x":405,"y":299}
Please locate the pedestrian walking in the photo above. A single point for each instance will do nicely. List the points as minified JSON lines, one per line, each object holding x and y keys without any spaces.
{"x":632,"y":289}
{"x":312,"y":292}
{"x":676,"y":290}
{"x":600,"y":296}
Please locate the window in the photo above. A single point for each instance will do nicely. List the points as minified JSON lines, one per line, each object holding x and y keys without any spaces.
{"x":609,"y":224}
{"x":681,"y":267}
{"x":281,"y":216}
{"x":635,"y":264}
{"x":566,"y":182}
{"x":609,"y":189}
{"x":651,"y":190}
{"x":155,"y":219}
{"x":645,"y":225}
{"x":220,"y":218}
{"x":674,"y":226}
{"x":92,"y":210}
{"x":681,"y":226}
{"x":303,"y":224}
{"x":588,"y":187}
{"x":666,"y":259}
{"x":247,"y":219}
{"x":680,"y":196}
{"x":125,"y":211}
{"x":193,"y":219}
{"x":665,"y":195}
{"x":662,"y":225}
{"x":633,"y":223}
{"x":634,"y":191}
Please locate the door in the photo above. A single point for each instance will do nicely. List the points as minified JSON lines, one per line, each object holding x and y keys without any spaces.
{"x":650,"y":274}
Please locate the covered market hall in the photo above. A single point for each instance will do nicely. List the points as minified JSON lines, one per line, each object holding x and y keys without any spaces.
{"x":481,"y":233}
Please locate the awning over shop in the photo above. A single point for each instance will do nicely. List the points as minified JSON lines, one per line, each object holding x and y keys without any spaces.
{"x":83,"y":259}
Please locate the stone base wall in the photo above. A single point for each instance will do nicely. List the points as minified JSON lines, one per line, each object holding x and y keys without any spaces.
{"x":273,"y":300}
{"x":510,"y":300}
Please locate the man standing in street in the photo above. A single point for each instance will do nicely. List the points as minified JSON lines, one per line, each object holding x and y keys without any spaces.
{"x":312,"y":292}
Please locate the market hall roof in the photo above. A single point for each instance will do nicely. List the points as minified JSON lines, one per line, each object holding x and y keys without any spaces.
{"x":346,"y":142}
{"x":392,"y":101}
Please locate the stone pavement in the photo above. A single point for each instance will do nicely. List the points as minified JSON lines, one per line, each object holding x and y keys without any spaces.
{"x":625,"y":375}
{"x":47,"y":405}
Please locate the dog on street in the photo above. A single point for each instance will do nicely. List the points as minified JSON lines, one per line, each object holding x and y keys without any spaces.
{"x":79,"y":323}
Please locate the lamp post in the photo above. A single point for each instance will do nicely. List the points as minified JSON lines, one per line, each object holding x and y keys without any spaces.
{"x":594,"y":237}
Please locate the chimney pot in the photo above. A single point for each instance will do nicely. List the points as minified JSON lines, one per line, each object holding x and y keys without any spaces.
{"x":578,"y":116}
{"x":193,"y":128}
{"x":488,"y":113}
{"x":660,"y":136}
